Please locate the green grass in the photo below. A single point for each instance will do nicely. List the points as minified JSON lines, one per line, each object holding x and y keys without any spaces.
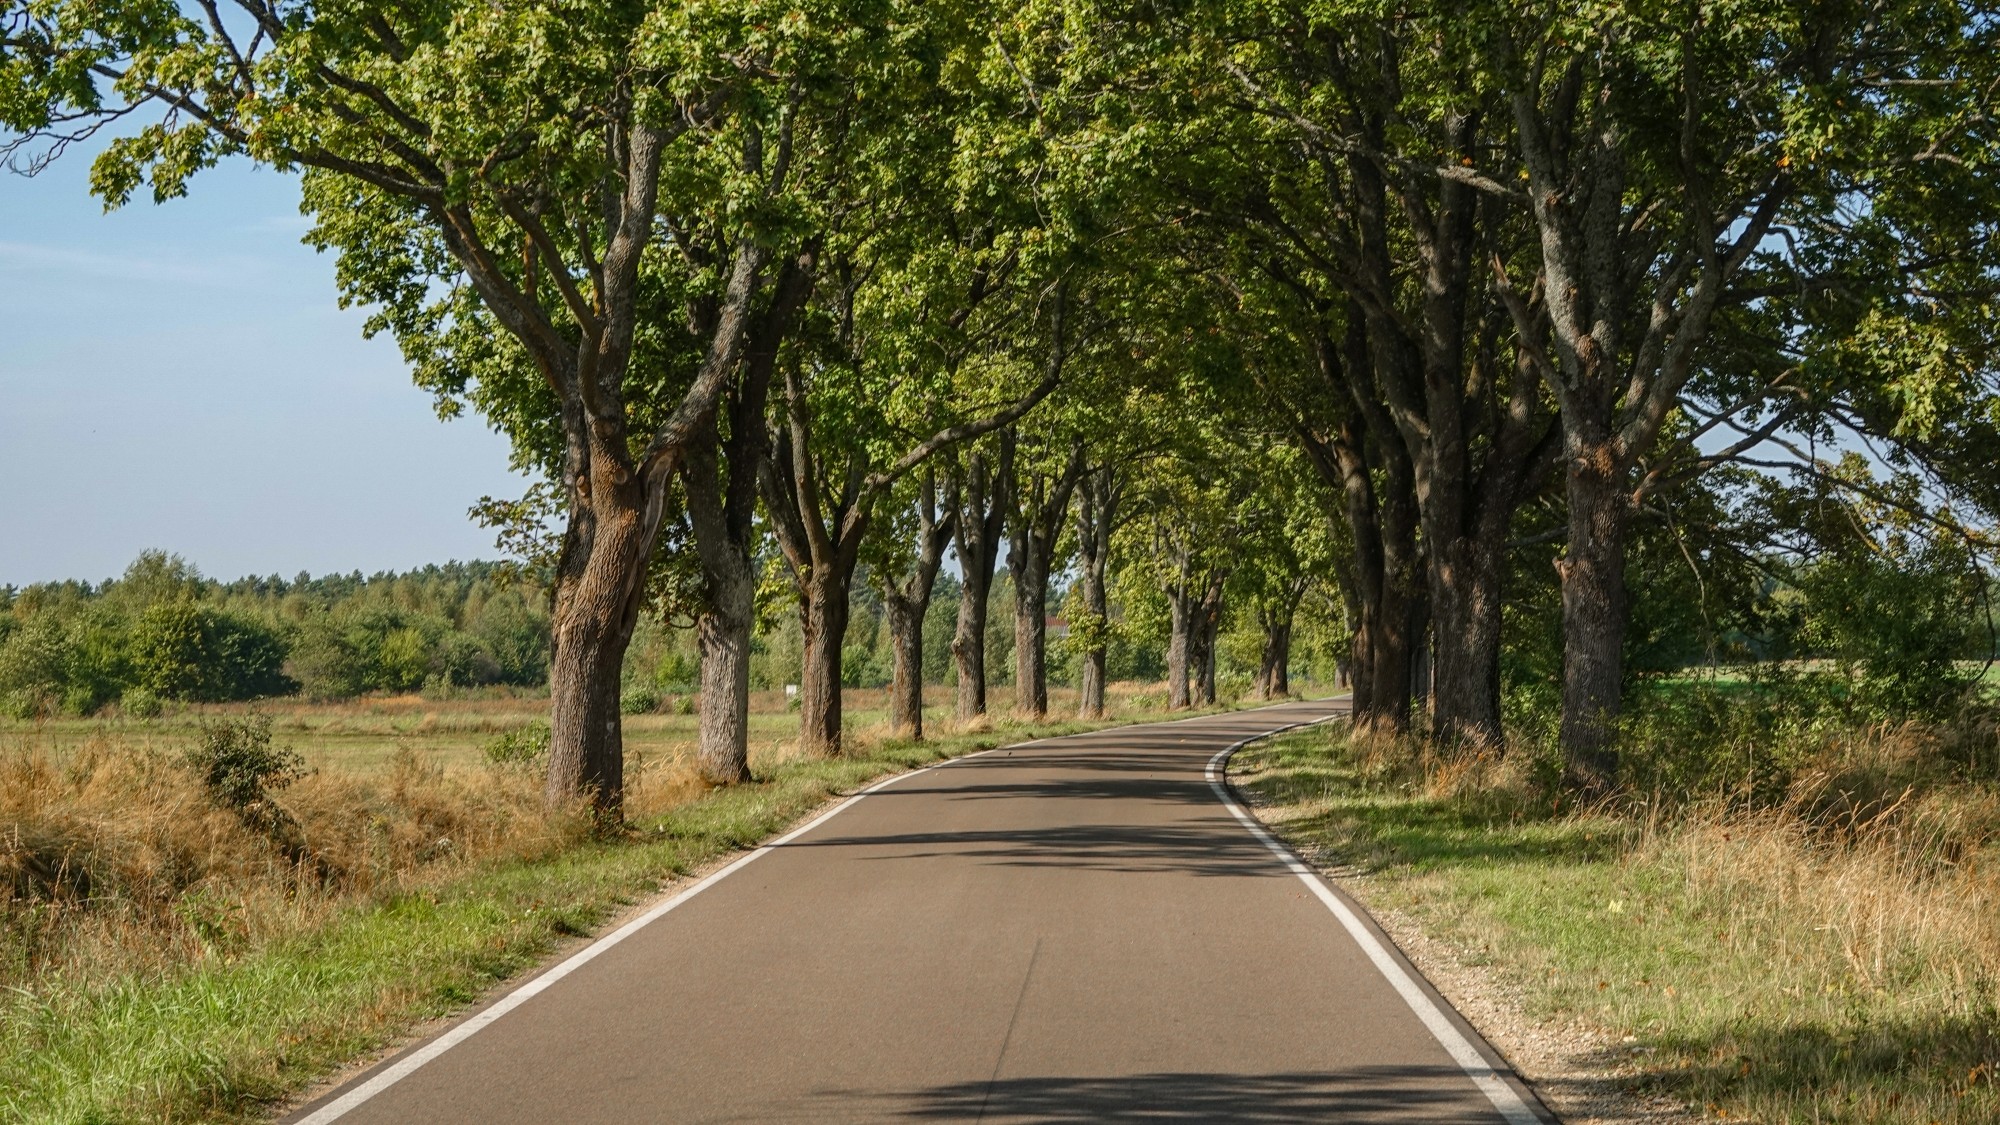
{"x":1736,"y":955}
{"x":226,"y":1037}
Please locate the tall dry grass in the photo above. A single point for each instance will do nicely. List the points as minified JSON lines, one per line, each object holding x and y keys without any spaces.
{"x":1810,"y":934}
{"x":116,"y":858}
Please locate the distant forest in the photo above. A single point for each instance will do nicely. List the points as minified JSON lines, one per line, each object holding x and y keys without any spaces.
{"x":164,"y":633}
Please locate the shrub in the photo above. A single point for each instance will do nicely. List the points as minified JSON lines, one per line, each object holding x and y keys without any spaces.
{"x":238,"y":765}
{"x":522,"y":746}
{"x":140,"y":703}
{"x":639,"y":699}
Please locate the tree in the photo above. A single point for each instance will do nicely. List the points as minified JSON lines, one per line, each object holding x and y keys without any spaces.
{"x":1043,"y":483}
{"x":508,"y":233}
{"x":985,"y":489}
{"x":1667,"y":159}
{"x":906,"y":594}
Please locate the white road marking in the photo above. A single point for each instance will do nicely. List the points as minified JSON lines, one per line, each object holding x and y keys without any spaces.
{"x":1461,"y":1050}
{"x":409,"y":1064}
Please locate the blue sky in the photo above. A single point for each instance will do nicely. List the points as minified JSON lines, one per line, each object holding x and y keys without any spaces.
{"x":180,"y":376}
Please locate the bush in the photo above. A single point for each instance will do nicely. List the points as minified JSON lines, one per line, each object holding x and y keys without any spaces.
{"x":639,"y":699}
{"x":522,"y":746}
{"x":1897,"y":626}
{"x":140,"y":703}
{"x":327,"y":663}
{"x":238,"y":765}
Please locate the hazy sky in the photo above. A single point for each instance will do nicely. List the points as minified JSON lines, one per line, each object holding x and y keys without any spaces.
{"x":180,"y":376}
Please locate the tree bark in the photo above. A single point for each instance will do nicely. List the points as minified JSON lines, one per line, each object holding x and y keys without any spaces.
{"x":1182,"y":607}
{"x":986,"y":493}
{"x":1099,"y":497}
{"x":599,"y":587}
{"x":721,"y":484}
{"x":907,"y":600}
{"x":1208,"y":622}
{"x":1039,"y":513}
{"x":1594,"y":616}
{"x":823,"y":621}
{"x":1274,"y":679}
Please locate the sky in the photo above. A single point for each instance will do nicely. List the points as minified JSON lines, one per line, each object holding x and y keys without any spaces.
{"x":181,"y":376}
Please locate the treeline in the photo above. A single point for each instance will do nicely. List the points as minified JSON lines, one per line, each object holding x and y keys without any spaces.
{"x":162,"y":632}
{"x":1533,"y":350}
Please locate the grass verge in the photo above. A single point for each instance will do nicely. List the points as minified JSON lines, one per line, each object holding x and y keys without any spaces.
{"x":225,"y":1033}
{"x":1756,"y":964}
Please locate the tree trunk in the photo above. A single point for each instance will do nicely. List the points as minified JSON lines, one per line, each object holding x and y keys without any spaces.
{"x":1594,"y":611}
{"x":597,"y":597}
{"x":1208,"y":622}
{"x":1180,"y":647}
{"x":1465,"y":626}
{"x":723,"y":634}
{"x":907,"y":600}
{"x":968,"y":647}
{"x":823,"y":620}
{"x":906,"y":679}
{"x":1098,"y":497}
{"x":720,"y":481}
{"x":986,"y":492}
{"x":1031,"y":678}
{"x":1274,"y":680}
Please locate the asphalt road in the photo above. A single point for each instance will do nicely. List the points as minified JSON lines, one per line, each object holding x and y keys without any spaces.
{"x":1072,"y":930}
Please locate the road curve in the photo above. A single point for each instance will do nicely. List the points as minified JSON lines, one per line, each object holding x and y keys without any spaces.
{"x":1071,"y":930}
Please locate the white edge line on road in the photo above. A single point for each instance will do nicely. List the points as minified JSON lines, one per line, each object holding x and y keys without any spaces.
{"x":1449,"y":1037}
{"x":410,"y":1063}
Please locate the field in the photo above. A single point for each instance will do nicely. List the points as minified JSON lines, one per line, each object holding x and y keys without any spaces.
{"x":166,"y":957}
{"x":366,"y":737}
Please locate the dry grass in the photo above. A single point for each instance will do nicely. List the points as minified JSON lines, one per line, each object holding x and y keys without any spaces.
{"x":1814,"y":947}
{"x":164,"y":956}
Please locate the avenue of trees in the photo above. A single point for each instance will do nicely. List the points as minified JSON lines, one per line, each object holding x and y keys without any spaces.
{"x":1537,"y":351}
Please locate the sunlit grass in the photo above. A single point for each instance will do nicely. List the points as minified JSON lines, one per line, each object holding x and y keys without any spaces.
{"x":1758,"y":964}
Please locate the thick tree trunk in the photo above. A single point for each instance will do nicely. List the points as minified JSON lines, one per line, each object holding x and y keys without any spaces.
{"x":1031,"y":677}
{"x":1274,"y":678}
{"x":597,"y":598}
{"x":1090,"y":685}
{"x":986,"y":492}
{"x":1183,"y":606}
{"x":1038,"y":518}
{"x":1594,"y":614}
{"x":907,"y":600}
{"x":720,"y":481}
{"x":906,"y":680}
{"x":968,"y":647}
{"x":1465,"y":624}
{"x":1208,"y":622}
{"x":1203,"y":690}
{"x":723,"y":634}
{"x":823,"y":620}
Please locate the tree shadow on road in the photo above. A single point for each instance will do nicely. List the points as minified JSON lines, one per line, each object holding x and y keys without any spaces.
{"x":1431,"y":1094}
{"x":1198,"y":848}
